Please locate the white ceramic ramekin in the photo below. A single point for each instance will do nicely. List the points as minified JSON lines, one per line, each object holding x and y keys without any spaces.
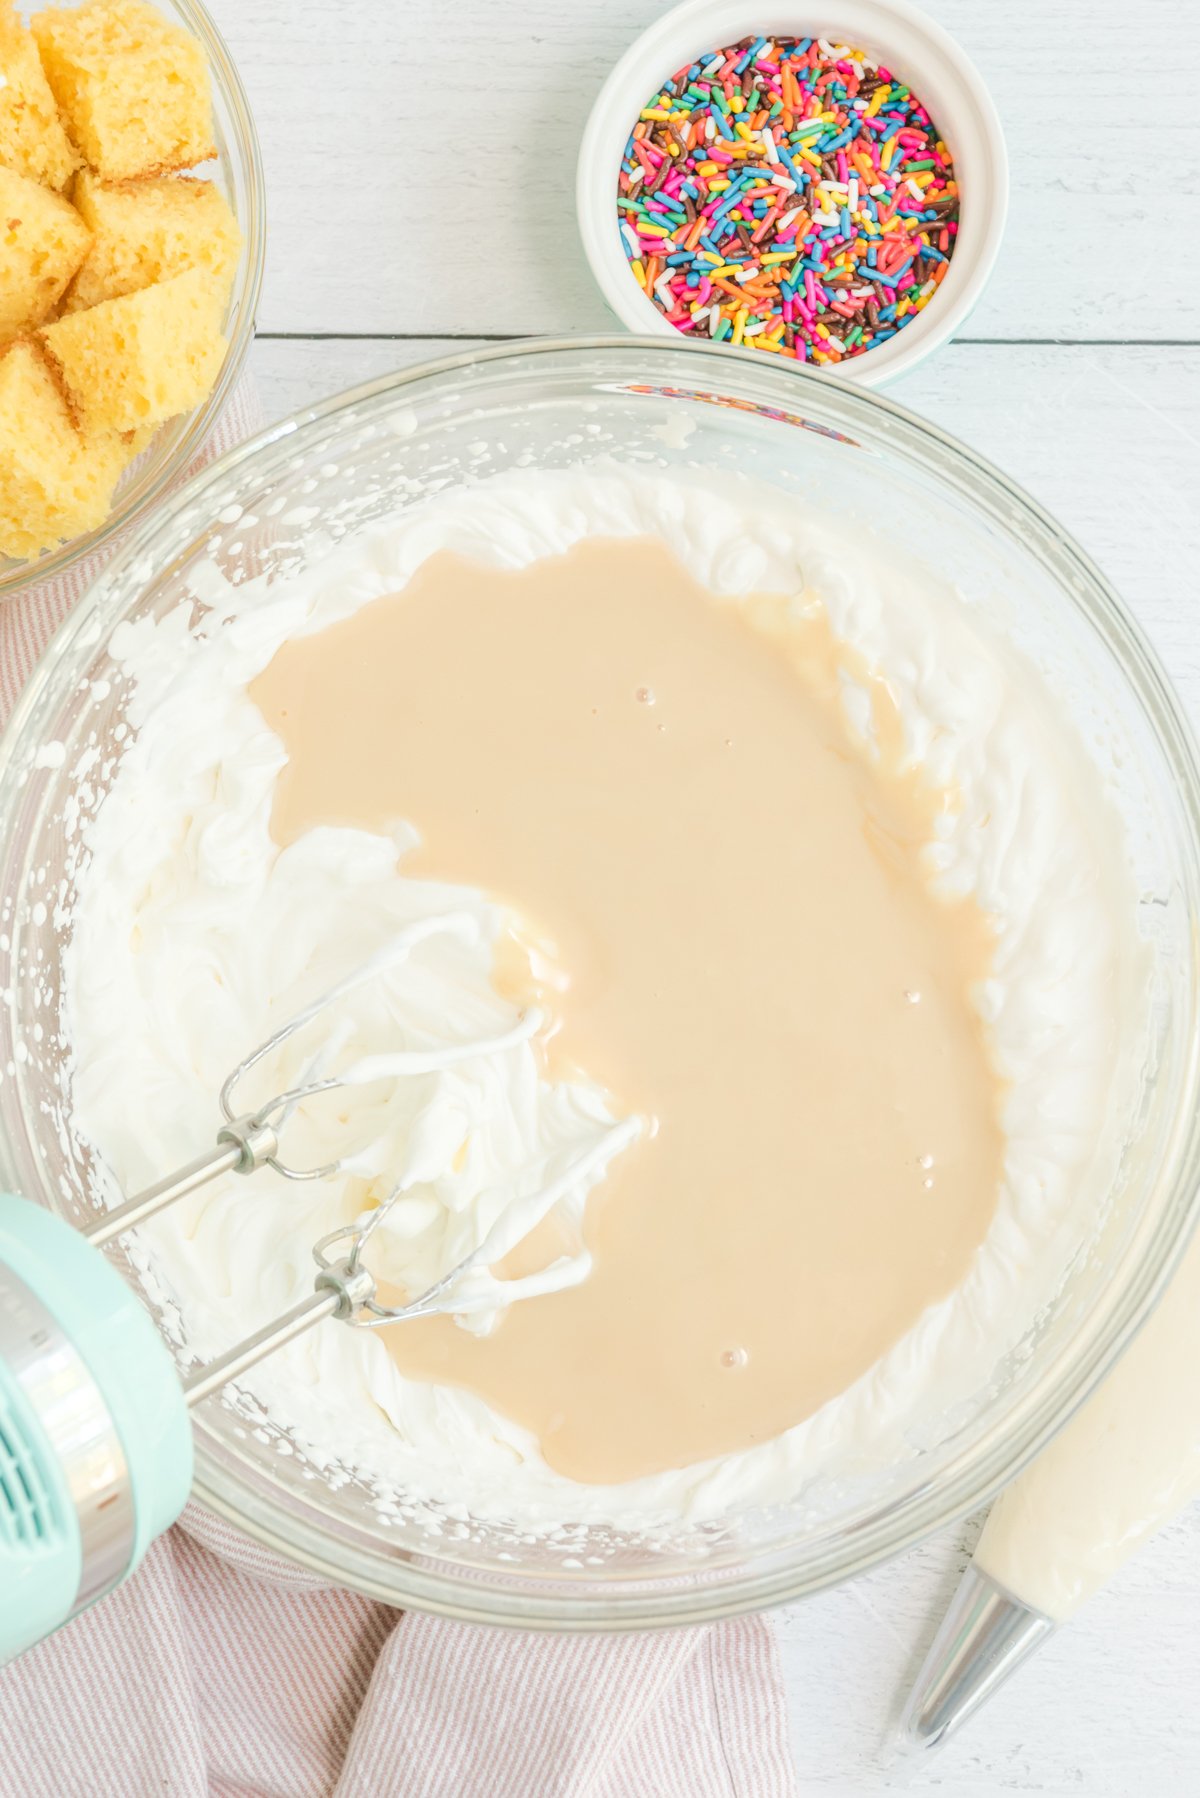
{"x":893,"y":33}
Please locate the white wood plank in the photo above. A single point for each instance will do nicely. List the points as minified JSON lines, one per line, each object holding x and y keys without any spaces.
{"x":420,"y":161}
{"x":290,"y":373}
{"x":1108,"y":439}
{"x":1107,"y":1709}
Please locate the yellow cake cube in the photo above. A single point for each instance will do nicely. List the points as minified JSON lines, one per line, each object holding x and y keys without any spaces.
{"x":32,"y":139}
{"x":132,"y":87}
{"x":137,"y":441}
{"x":55,"y":481}
{"x":140,"y":359}
{"x":43,"y":240}
{"x":147,"y":231}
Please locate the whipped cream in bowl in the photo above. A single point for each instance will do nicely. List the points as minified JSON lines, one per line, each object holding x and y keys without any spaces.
{"x":164,"y":915}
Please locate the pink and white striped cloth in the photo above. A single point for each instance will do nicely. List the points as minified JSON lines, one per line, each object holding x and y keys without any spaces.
{"x":220,"y":1671}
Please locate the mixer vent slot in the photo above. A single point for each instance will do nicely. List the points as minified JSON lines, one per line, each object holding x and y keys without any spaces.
{"x":28,"y":1515}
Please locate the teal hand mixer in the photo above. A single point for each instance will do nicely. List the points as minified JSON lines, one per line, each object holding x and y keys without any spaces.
{"x":95,"y":1438}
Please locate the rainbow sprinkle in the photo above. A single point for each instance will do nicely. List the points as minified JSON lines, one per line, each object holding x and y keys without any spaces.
{"x":790,"y":195}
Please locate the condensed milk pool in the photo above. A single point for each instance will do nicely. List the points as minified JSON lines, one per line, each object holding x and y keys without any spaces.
{"x":733,"y":936}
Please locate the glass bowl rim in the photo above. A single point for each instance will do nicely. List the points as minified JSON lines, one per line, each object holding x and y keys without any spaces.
{"x":1147,"y":1262}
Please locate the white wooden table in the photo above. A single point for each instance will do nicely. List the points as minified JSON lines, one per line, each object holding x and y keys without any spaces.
{"x":419,"y":200}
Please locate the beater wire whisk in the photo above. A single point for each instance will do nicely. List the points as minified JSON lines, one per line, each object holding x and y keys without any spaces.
{"x":344,"y":1288}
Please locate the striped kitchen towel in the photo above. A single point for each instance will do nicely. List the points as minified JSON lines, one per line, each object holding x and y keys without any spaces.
{"x":220,"y":1672}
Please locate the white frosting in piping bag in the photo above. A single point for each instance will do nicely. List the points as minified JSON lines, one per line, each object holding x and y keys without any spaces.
{"x":1121,"y":1469}
{"x":194,"y":937}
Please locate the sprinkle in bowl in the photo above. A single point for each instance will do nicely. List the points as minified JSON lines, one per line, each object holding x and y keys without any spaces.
{"x":935,"y":92}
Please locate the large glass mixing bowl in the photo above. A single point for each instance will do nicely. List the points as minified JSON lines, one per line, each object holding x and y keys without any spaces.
{"x":277,"y":503}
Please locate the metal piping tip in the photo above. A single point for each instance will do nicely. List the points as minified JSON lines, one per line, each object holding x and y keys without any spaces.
{"x":984,"y":1636}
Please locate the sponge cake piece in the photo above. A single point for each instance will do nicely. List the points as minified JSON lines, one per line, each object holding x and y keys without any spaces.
{"x":32,"y":139}
{"x":55,"y":482}
{"x":142,"y":358}
{"x":43,"y":240}
{"x":132,"y":87}
{"x":147,"y":231}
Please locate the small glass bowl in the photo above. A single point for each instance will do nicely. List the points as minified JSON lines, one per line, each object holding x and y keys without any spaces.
{"x":239,"y":175}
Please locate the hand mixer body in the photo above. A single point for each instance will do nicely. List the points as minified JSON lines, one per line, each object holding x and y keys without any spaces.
{"x":95,"y":1440}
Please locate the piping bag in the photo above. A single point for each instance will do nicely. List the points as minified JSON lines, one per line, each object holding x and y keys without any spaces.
{"x":1125,"y":1464}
